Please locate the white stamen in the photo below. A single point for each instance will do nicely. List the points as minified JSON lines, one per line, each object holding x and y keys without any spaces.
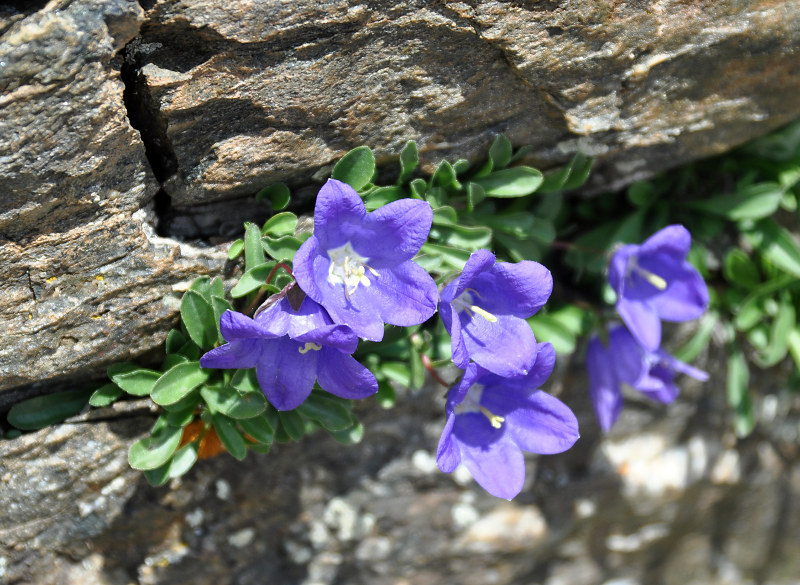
{"x":348,"y":268}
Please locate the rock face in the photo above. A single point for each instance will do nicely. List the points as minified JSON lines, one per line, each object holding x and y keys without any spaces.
{"x":668,"y":497}
{"x":266,"y":91}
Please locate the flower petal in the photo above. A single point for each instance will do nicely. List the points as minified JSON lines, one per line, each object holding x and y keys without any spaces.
{"x":285,"y":375}
{"x":543,"y":425}
{"x":642,"y":321}
{"x":338,"y":214}
{"x":340,"y":337}
{"x":405,"y":295}
{"x":281,"y":319}
{"x":506,"y":346}
{"x":234,"y":325}
{"x":543,"y":366}
{"x":626,"y":354}
{"x":239,"y":353}
{"x":448,"y":453}
{"x":343,"y":376}
{"x":684,"y":299}
{"x":603,"y":387}
{"x":452,"y":324}
{"x":519,"y":289}
{"x":394,"y":233}
{"x":478,"y":262}
{"x":674,"y":240}
{"x":618,"y":268}
{"x":490,"y":455}
{"x":306,"y":263}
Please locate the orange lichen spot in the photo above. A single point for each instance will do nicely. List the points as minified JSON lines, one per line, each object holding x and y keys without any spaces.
{"x":51,"y":279}
{"x":95,"y":317}
{"x":99,"y":278}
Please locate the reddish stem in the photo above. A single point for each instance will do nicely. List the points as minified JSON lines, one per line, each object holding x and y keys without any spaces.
{"x":426,"y":362}
{"x":275,"y":269}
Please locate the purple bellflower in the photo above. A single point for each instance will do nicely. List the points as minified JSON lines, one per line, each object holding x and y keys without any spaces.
{"x":485,"y":308}
{"x":654,"y":281}
{"x":626,"y":361}
{"x":292,"y":343}
{"x":359,"y":265}
{"x":491,"y":420}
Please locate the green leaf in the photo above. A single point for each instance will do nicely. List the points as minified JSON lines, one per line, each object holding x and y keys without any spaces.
{"x":418,"y":188}
{"x":133,"y":379}
{"x":280,"y":224}
{"x":641,"y":193}
{"x":228,"y":401}
{"x":547,"y":328}
{"x":692,"y":348}
{"x":292,"y":423}
{"x":175,"y":340}
{"x":283,"y":248}
{"x":397,"y":372}
{"x":105,"y":395}
{"x":252,"y":280}
{"x":327,"y":412}
{"x":386,"y":395}
{"x":202,"y":285}
{"x":245,"y":381}
{"x":190,"y":351}
{"x":180,"y":418}
{"x":236,"y":248}
{"x":793,"y":344}
{"x":258,"y":428}
{"x":590,"y":249}
{"x":519,"y":249}
{"x":350,"y":436}
{"x":155,"y":450}
{"x":43,"y":411}
{"x":277,"y":193}
{"x":230,"y":436}
{"x":570,"y":176}
{"x":445,"y":215}
{"x":253,"y":251}
{"x":442,"y":256}
{"x":738,"y":394}
{"x":475,"y":194}
{"x":381,"y":196}
{"x":409,"y":159}
{"x":183,"y":460}
{"x":355,"y":168}
{"x":519,"y":224}
{"x":740,"y":270}
{"x":782,"y":325}
{"x":776,"y":245}
{"x":172,"y":360}
{"x":220,"y":305}
{"x":158,"y":476}
{"x":444,"y":176}
{"x":750,"y":202}
{"x":500,"y":152}
{"x":464,"y":237}
{"x":177,"y":382}
{"x":197,"y":315}
{"x":513,"y":182}
{"x":416,"y":369}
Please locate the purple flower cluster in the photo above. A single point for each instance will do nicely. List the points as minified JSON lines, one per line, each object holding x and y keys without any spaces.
{"x":356,"y":273}
{"x":653,"y":281}
{"x":496,"y":411}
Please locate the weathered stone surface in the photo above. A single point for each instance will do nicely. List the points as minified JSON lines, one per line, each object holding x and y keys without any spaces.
{"x":259,"y":92}
{"x":668,"y":497}
{"x":83,"y":285}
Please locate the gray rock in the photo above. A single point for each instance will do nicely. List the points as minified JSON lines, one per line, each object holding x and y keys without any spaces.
{"x":260,"y":92}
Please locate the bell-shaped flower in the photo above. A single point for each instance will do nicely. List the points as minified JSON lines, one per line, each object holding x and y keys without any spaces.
{"x":485,"y":308}
{"x":491,"y":420}
{"x":359,"y":265}
{"x":626,"y":361}
{"x":654,"y":281}
{"x":292,"y":343}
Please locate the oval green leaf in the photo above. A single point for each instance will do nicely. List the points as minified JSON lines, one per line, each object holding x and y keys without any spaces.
{"x":280,"y":224}
{"x":155,"y":450}
{"x":178,"y":382}
{"x":513,"y":182}
{"x":355,"y":168}
{"x":231,"y":437}
{"x":228,"y":401}
{"x":43,"y":411}
{"x":197,"y":315}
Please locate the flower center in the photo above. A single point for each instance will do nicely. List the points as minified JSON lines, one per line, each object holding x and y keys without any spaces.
{"x":654,"y":279}
{"x":472,"y":403}
{"x":348,"y":268}
{"x":464,"y":302}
